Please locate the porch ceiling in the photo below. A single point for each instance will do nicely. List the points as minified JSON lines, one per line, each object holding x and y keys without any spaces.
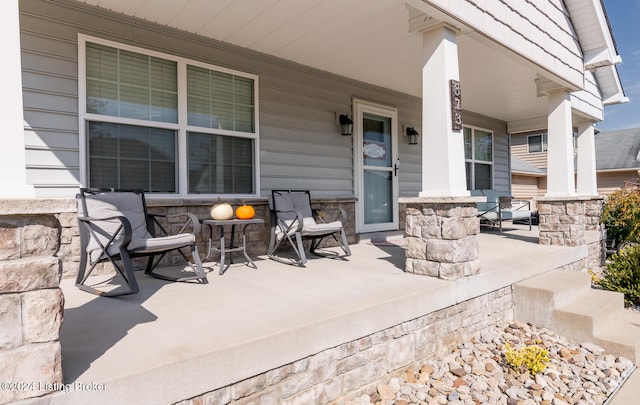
{"x":367,"y":40}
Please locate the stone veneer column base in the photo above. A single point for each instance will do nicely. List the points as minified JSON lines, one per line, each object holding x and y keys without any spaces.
{"x":441,"y":236}
{"x":562,"y":220}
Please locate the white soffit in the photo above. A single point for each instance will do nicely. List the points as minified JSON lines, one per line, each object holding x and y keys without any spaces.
{"x":367,"y":40}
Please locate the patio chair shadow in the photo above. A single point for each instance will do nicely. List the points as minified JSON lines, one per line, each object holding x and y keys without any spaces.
{"x":91,"y":329}
{"x":395,"y":251}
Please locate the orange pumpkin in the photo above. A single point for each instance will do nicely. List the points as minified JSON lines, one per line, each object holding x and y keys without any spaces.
{"x":245,"y":212}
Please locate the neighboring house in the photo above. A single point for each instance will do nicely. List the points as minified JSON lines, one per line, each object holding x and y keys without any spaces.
{"x":617,"y":161}
{"x":617,"y":158}
{"x":233,"y":99}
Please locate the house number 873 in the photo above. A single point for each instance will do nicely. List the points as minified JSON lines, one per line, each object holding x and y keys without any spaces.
{"x":456,"y":105}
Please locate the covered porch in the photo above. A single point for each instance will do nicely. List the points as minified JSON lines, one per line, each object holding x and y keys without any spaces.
{"x":271,"y":333}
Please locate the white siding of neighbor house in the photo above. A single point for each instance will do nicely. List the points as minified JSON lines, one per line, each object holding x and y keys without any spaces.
{"x":524,"y":26}
{"x":300,"y":143}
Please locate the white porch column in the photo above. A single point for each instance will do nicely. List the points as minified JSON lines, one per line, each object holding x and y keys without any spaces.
{"x":560,"y":170}
{"x":13,"y":175}
{"x":443,"y":170}
{"x":587,"y":180}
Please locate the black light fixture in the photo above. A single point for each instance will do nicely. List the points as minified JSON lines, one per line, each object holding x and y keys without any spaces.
{"x":346,"y":124}
{"x":412,"y":134}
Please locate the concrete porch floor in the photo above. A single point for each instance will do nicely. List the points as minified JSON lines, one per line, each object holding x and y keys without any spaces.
{"x":173,"y":341}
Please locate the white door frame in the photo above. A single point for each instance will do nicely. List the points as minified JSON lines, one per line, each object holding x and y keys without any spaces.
{"x":360,"y":107}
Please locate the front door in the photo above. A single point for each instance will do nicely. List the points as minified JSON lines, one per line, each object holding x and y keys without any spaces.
{"x":377,"y":160}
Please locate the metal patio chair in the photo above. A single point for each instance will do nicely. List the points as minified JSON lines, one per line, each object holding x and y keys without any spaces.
{"x":294,"y":220}
{"x":115,"y":226}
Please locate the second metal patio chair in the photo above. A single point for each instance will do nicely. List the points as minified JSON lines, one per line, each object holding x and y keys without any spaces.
{"x":293,"y":220}
{"x":116,"y":227}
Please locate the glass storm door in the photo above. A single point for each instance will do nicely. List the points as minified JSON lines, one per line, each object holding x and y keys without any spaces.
{"x":378,"y":168}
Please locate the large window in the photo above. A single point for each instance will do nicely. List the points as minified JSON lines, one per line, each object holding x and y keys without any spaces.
{"x":478,"y":154}
{"x":141,"y":107}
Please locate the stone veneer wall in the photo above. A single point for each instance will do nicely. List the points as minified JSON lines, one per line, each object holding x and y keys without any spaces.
{"x":338,"y":374}
{"x":31,"y":303}
{"x":441,"y":237}
{"x":562,"y":222}
{"x":592,"y":214}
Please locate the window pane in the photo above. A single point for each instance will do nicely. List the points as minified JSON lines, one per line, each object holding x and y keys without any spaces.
{"x":102,"y":62}
{"x":483,"y":146}
{"x":467,"y":167}
{"x":222,"y":116}
{"x":220,"y":100}
{"x":134,"y":102}
{"x":535,"y":143}
{"x":132,"y":85}
{"x":482,"y":176}
{"x":220,"y":164}
{"x":221,"y":86}
{"x":468,"y":143}
{"x":127,"y":156}
{"x":243,"y":90}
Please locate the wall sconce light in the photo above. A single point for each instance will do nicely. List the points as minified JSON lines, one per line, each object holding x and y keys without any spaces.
{"x":412,"y":134}
{"x":346,"y":124}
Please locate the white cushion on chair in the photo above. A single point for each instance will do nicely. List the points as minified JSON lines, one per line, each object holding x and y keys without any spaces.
{"x":161,"y":243}
{"x":311,"y":229}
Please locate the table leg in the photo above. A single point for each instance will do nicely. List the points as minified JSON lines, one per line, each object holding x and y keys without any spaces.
{"x":232,"y":243}
{"x":222,"y":269}
{"x":244,"y":247}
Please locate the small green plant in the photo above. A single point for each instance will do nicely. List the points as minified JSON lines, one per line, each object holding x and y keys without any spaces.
{"x":532,"y":358}
{"x":622,"y":274}
{"x":621,"y":214}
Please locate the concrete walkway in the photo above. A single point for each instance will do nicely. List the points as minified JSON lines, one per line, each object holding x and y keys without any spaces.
{"x":189,"y":339}
{"x":629,"y":393}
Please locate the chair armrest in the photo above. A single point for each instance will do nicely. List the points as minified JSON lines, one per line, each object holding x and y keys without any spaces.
{"x":191,"y":219}
{"x":124,"y":225}
{"x":320,"y":214}
{"x":288,"y":227}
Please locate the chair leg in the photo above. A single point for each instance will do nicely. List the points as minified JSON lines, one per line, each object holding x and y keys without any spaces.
{"x":126,"y":273}
{"x":82,"y":268}
{"x":196,"y":266}
{"x":129,"y":271}
{"x":303,"y":257}
{"x":345,"y":244}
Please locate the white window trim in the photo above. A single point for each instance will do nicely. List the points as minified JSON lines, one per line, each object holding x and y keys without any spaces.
{"x":473,"y":153}
{"x":181,"y":127}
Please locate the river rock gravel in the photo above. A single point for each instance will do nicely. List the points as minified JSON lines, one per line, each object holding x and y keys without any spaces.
{"x":476,"y":372}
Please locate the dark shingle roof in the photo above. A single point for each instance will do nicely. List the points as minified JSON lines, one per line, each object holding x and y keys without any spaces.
{"x":618,"y":149}
{"x":520,"y":166}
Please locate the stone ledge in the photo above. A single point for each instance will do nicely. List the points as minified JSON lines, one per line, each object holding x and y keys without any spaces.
{"x":441,"y":200}
{"x":568,"y":198}
{"x":33,"y":206}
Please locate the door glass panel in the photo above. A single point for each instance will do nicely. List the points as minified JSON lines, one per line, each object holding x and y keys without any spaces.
{"x":377,"y":140}
{"x":377,"y":160}
{"x":378,"y":206}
